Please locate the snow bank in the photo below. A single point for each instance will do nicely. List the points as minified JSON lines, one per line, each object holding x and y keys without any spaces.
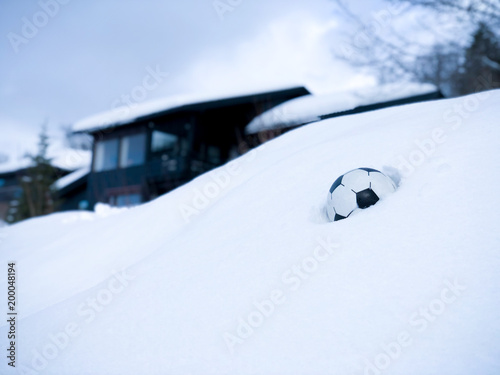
{"x":239,"y":272}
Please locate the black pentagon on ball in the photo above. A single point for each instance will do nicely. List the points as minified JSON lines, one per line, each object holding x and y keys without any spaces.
{"x":336,"y":184}
{"x":366,"y":198}
{"x":369,"y":170}
{"x":338,"y":217}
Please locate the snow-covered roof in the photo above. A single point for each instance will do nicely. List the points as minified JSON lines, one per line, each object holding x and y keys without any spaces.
{"x":127,"y":114}
{"x":124,"y":115}
{"x":12,"y":165}
{"x":70,"y":178}
{"x":309,"y":108}
{"x":62,"y":157}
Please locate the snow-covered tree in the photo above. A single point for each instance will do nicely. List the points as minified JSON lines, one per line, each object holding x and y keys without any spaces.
{"x":460,"y":53}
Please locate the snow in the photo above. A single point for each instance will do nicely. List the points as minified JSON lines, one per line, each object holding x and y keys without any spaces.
{"x":13,"y":165}
{"x":135,"y":110}
{"x":176,"y":286}
{"x":306,"y":109}
{"x":71,"y":177}
{"x":62,"y":157}
{"x":71,"y":159}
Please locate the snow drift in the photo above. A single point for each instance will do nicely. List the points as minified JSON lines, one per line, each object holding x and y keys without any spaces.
{"x":239,"y":271}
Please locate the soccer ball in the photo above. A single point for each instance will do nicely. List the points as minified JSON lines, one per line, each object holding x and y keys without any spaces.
{"x":359,"y":188}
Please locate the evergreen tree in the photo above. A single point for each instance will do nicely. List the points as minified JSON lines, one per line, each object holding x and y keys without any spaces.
{"x":481,"y":67}
{"x":37,"y":197}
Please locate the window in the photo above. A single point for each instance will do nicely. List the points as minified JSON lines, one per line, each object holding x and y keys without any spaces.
{"x":184,"y":147}
{"x":2,"y":182}
{"x":125,"y":200}
{"x":83,"y":205}
{"x":162,"y":141}
{"x":106,"y":155}
{"x":132,"y":151}
{"x":213,"y":154}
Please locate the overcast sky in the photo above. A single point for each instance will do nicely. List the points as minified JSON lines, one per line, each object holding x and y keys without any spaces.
{"x":61,"y":63}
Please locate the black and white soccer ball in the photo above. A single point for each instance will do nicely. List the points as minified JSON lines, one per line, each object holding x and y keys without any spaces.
{"x":357,"y":189}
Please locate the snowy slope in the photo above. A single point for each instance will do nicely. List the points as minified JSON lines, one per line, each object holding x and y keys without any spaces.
{"x":176,"y":286}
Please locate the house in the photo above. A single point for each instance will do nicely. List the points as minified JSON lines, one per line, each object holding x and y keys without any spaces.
{"x":10,"y":193}
{"x":15,"y":168}
{"x":312,"y":108}
{"x":143,"y":151}
{"x":11,"y":189}
{"x":71,"y":190}
{"x":146,"y":150}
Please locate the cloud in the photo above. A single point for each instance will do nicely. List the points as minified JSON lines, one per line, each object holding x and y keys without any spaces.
{"x":293,"y":49}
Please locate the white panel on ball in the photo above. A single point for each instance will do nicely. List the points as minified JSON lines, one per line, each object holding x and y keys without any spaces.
{"x":381,"y":184}
{"x":343,"y":201}
{"x":356,"y":180}
{"x":329,"y":209}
